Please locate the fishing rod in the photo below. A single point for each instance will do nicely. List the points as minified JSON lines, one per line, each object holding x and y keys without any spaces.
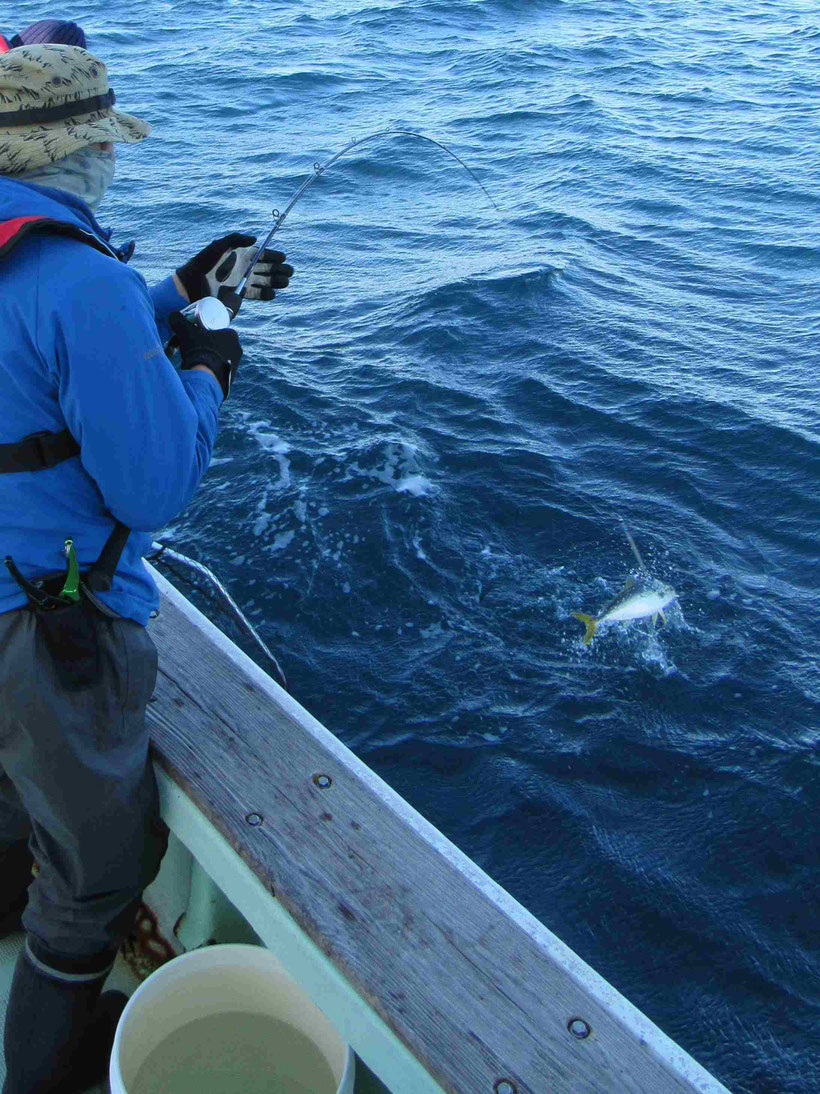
{"x":217,"y":312}
{"x":207,"y":313}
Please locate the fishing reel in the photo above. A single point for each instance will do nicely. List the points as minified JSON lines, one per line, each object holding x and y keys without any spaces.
{"x":212,"y":312}
{"x":209,"y":313}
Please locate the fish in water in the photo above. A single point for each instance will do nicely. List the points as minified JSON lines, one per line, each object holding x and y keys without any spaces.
{"x":637,"y":600}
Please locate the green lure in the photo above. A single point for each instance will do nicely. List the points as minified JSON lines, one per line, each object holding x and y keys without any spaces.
{"x":71,"y":589}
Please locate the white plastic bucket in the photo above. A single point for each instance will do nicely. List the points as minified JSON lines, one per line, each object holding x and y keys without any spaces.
{"x":221,"y":980}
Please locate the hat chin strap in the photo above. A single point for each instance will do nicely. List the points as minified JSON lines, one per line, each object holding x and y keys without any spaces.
{"x":86,"y":174}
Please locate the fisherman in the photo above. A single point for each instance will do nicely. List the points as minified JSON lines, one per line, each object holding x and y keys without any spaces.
{"x":101,"y":443}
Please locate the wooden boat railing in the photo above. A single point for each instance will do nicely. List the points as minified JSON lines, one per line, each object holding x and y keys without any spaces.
{"x":437,"y":977}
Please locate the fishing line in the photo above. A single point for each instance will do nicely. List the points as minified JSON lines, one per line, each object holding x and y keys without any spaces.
{"x":633,"y":544}
{"x":161,"y":552}
{"x":318,"y":170}
{"x":214,"y":314}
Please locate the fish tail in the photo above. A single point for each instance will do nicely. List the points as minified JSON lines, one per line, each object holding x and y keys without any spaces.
{"x":590,"y":624}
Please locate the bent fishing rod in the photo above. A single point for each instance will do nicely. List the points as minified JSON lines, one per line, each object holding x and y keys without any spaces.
{"x":218,"y":312}
{"x":208,"y":312}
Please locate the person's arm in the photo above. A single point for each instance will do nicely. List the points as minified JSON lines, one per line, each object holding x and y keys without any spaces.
{"x":146,"y":433}
{"x":167,"y":296}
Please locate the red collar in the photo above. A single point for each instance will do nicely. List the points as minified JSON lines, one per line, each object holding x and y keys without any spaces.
{"x":12,"y":231}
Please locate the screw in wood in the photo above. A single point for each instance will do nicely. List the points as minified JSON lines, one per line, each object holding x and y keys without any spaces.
{"x":323,"y":781}
{"x":579,"y":1028}
{"x":253,"y":819}
{"x":505,"y":1086}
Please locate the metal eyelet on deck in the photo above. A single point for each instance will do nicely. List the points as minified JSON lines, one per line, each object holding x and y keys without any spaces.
{"x":324,"y":782}
{"x":579,"y":1028}
{"x":505,"y":1086}
{"x":254,"y":820}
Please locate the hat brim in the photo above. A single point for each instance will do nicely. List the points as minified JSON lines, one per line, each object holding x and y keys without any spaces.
{"x":40,"y":145}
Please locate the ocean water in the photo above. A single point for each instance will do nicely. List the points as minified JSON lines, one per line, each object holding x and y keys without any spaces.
{"x":437,"y":425}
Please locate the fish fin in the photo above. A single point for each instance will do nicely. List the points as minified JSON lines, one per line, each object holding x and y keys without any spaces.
{"x":654,"y":619}
{"x":590,"y":624}
{"x":663,"y":617}
{"x":630,"y":581}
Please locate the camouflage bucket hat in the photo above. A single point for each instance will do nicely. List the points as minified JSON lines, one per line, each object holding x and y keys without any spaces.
{"x":55,"y":100}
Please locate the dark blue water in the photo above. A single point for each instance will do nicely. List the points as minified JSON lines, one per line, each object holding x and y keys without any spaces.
{"x":436,"y":426}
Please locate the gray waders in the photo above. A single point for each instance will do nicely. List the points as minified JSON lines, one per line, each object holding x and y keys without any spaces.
{"x":79,"y":796}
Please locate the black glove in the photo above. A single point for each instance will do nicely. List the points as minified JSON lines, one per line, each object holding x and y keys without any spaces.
{"x":225,"y":261}
{"x":219,"y":350}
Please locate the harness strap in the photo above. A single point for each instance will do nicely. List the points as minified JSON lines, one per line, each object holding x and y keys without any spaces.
{"x":101,"y":574}
{"x":35,"y":594}
{"x":37,"y":452}
{"x":42,"y":451}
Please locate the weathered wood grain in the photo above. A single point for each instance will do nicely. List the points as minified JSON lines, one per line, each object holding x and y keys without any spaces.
{"x":477,"y":989}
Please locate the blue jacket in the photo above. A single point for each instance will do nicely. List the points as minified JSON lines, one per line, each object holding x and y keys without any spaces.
{"x":81,"y":346}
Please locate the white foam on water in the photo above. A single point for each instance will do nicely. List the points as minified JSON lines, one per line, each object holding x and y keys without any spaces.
{"x":284,"y":471}
{"x":417,"y":485}
{"x":264,"y":518}
{"x":399,"y":471}
{"x":272,"y":443}
{"x":261,"y":523}
{"x":281,"y":541}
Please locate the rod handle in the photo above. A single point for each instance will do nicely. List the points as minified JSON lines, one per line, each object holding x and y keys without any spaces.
{"x":231,"y":300}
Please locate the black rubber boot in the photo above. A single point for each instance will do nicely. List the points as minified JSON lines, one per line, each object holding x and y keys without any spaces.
{"x":12,"y":921}
{"x":94,"y":1054}
{"x":16,"y":862}
{"x":54,"y":1041}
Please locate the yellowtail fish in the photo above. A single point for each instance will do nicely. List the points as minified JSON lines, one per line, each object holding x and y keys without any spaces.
{"x":637,"y":600}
